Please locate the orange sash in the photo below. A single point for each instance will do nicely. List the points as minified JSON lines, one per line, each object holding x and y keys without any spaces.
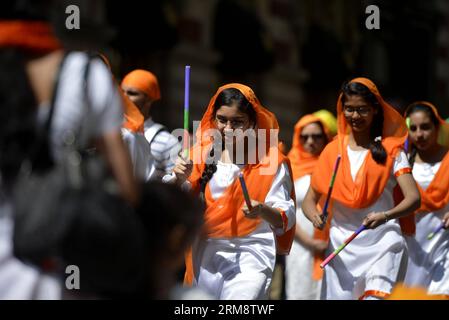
{"x":436,"y":196}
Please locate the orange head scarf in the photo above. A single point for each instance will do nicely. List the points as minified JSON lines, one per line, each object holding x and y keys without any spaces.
{"x":372,"y":177}
{"x":30,"y":36}
{"x":144,"y":81}
{"x":303,"y":162}
{"x":134,"y":119}
{"x":436,"y":196}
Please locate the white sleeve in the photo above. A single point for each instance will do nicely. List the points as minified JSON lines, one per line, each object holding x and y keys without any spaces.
{"x":164,"y":149}
{"x":139,"y":150}
{"x":170,"y":178}
{"x":105,"y":100}
{"x":279,"y":197}
{"x":400,"y":162}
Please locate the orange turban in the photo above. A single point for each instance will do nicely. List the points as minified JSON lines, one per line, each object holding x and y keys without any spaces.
{"x":145,"y":81}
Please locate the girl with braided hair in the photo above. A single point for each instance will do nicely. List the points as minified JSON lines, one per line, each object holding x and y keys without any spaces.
{"x":234,"y":256}
{"x":370,"y":138}
{"x":428,"y":264}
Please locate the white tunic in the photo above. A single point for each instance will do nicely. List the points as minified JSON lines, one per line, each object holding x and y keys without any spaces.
{"x":299,"y":283}
{"x":241,"y":268}
{"x":139,"y":151}
{"x":376,"y":259}
{"x":428,"y":264}
{"x":163,"y":150}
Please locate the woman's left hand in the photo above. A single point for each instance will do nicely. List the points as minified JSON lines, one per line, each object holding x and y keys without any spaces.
{"x":255,"y":211}
{"x":374,"y":219}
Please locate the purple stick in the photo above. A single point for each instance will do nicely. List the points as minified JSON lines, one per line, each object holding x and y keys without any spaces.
{"x":437,"y":229}
{"x":186,"y":111}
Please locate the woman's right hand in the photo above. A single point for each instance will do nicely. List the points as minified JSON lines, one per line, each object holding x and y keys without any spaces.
{"x":183,"y":169}
{"x":318,"y":220}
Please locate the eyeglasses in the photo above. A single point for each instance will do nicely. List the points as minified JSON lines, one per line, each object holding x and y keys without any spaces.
{"x":362,"y":111}
{"x":422,"y":127}
{"x":314,"y":136}
{"x":235,"y":124}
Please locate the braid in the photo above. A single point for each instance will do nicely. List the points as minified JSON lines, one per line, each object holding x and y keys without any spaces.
{"x":412,"y":156}
{"x":377,"y":149}
{"x":209,"y":170}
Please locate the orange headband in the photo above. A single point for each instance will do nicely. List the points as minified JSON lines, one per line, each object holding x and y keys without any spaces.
{"x":33,"y":36}
{"x":144,"y":81}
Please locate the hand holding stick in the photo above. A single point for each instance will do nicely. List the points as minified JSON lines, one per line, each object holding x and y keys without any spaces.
{"x":329,"y":192}
{"x":245,"y":191}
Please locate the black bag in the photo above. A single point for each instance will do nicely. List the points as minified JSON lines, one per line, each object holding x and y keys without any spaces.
{"x":71,"y":213}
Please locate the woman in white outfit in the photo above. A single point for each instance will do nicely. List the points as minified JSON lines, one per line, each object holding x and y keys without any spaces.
{"x":370,"y":139}
{"x":309,"y":139}
{"x":428,"y":264}
{"x":234,"y":256}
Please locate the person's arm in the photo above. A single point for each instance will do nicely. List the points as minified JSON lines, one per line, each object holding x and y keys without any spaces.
{"x":311,"y":244}
{"x":164,"y":150}
{"x":182,"y":171}
{"x":279,"y":208}
{"x":309,"y":207}
{"x":269,"y":214}
{"x":117,"y":156}
{"x":411,"y":202}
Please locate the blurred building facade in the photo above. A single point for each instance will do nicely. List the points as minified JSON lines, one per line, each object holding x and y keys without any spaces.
{"x":294,"y":53}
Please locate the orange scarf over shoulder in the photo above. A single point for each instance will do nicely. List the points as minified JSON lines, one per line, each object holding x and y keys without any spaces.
{"x":372,"y":177}
{"x":436,"y":196}
{"x":224,"y":217}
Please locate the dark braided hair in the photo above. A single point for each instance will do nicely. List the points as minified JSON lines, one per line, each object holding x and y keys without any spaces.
{"x":357,"y":89}
{"x":413,"y":108}
{"x":18,"y":115}
{"x":18,"y":130}
{"x":228,"y":97}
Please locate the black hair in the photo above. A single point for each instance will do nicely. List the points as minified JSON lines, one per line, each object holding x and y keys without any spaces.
{"x":320,"y":124}
{"x":227,"y":97}
{"x":231,"y":97}
{"x":162,"y":207}
{"x":378,"y":151}
{"x":18,"y":130}
{"x":418,"y":107}
{"x":18,"y":115}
